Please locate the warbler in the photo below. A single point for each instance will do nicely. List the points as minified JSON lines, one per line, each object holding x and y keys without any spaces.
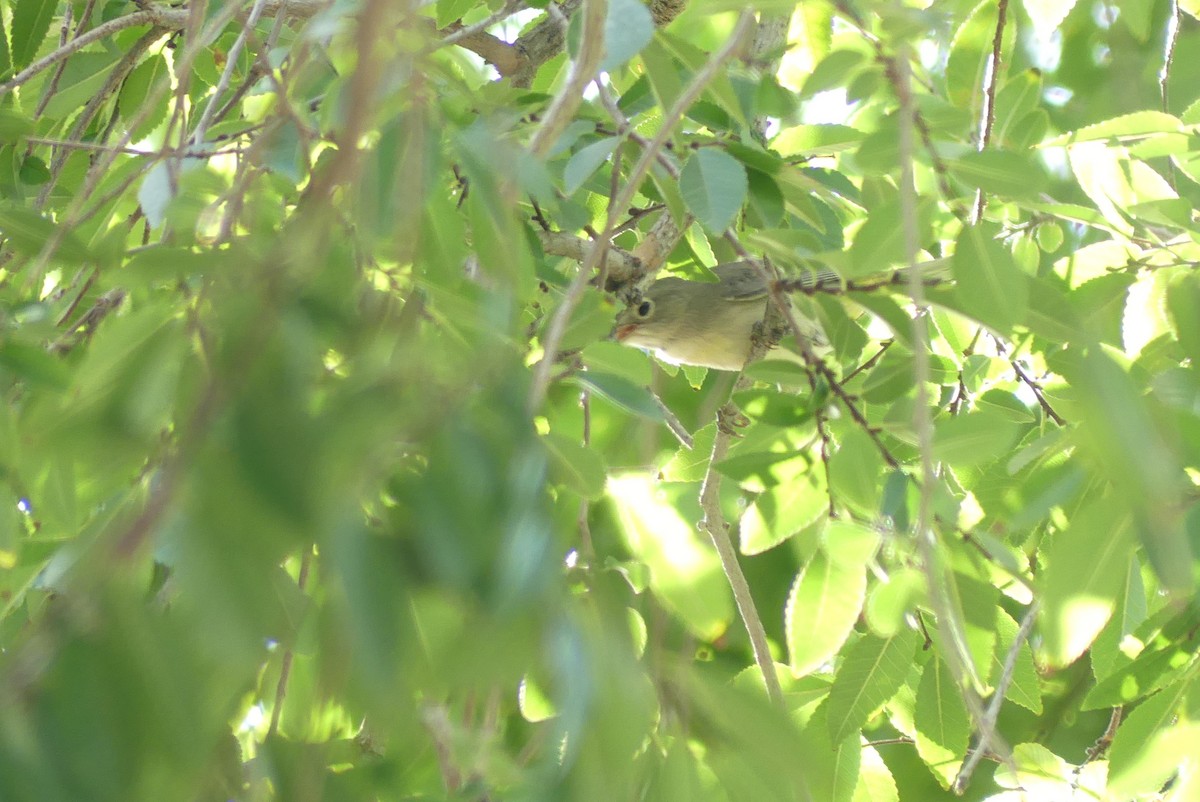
{"x":701,"y":322}
{"x":710,"y":324}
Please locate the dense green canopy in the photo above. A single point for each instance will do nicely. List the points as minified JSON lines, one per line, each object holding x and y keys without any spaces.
{"x":320,"y":479}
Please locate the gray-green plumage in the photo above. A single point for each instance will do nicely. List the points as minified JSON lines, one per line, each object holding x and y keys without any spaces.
{"x":698,"y":323}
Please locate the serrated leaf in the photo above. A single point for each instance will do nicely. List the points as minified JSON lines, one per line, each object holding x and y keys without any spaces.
{"x":943,"y":727}
{"x":1136,"y":125}
{"x":1024,"y":688}
{"x":449,"y":11}
{"x":714,"y":186}
{"x":822,"y":607}
{"x":1146,"y":751}
{"x":854,"y":471}
{"x":691,"y":464}
{"x":136,"y":88}
{"x":30,"y":22}
{"x":782,"y":511}
{"x":13,"y":124}
{"x":872,"y":670}
{"x":875,"y":781}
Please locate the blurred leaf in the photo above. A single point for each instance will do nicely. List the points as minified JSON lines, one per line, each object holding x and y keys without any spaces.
{"x":575,"y":465}
{"x":691,"y":464}
{"x":974,"y":438}
{"x":29,"y":232}
{"x":1147,"y":750}
{"x":621,"y":392}
{"x":627,"y":29}
{"x":684,"y":572}
{"x":586,"y":161}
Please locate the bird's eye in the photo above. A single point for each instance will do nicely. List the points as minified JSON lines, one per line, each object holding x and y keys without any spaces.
{"x":645,"y":308}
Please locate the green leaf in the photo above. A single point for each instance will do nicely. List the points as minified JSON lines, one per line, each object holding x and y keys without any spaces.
{"x":621,"y":392}
{"x":766,"y":201}
{"x":691,"y":464}
{"x":782,"y":511}
{"x":586,"y":161}
{"x":1025,"y":688}
{"x":136,"y":88}
{"x":30,"y":22}
{"x":1183,"y":302}
{"x":854,"y":472}
{"x":879,"y":244}
{"x":628,"y":28}
{"x":35,"y":364}
{"x":1135,"y":456}
{"x":684,"y":571}
{"x":574,"y":465}
{"x":875,"y":781}
{"x":1142,"y":756}
{"x":714,"y":186}
{"x":663,"y":72}
{"x":974,"y":438}
{"x":1085,"y":571}
{"x":449,"y":11}
{"x":999,"y":172}
{"x":83,"y":77}
{"x":989,"y":285}
{"x":14,"y":125}
{"x":1128,"y":126}
{"x":773,"y":407}
{"x":28,"y":233}
{"x":1159,"y":665}
{"x":814,"y":140}
{"x":943,"y":727}
{"x":872,"y":670}
{"x":822,"y":607}
{"x":1047,"y":15}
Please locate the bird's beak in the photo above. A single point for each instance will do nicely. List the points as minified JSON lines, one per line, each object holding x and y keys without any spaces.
{"x":621,"y":331}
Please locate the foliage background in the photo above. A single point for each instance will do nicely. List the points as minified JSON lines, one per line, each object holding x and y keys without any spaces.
{"x":319,"y":479}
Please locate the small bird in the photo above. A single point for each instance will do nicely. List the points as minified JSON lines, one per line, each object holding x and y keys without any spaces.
{"x":702,"y":323}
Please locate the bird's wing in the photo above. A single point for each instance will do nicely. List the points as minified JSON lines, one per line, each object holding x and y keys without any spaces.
{"x":741,"y":281}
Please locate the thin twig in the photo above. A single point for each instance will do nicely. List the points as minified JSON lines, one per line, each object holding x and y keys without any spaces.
{"x":1037,"y":393}
{"x":987,"y":727}
{"x":713,"y":522}
{"x":285,"y":668}
{"x":94,"y":35}
{"x":955,"y":650}
{"x":504,"y":12}
{"x":988,"y":113}
{"x":568,"y":98}
{"x":206,"y":118}
{"x":673,"y":423}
